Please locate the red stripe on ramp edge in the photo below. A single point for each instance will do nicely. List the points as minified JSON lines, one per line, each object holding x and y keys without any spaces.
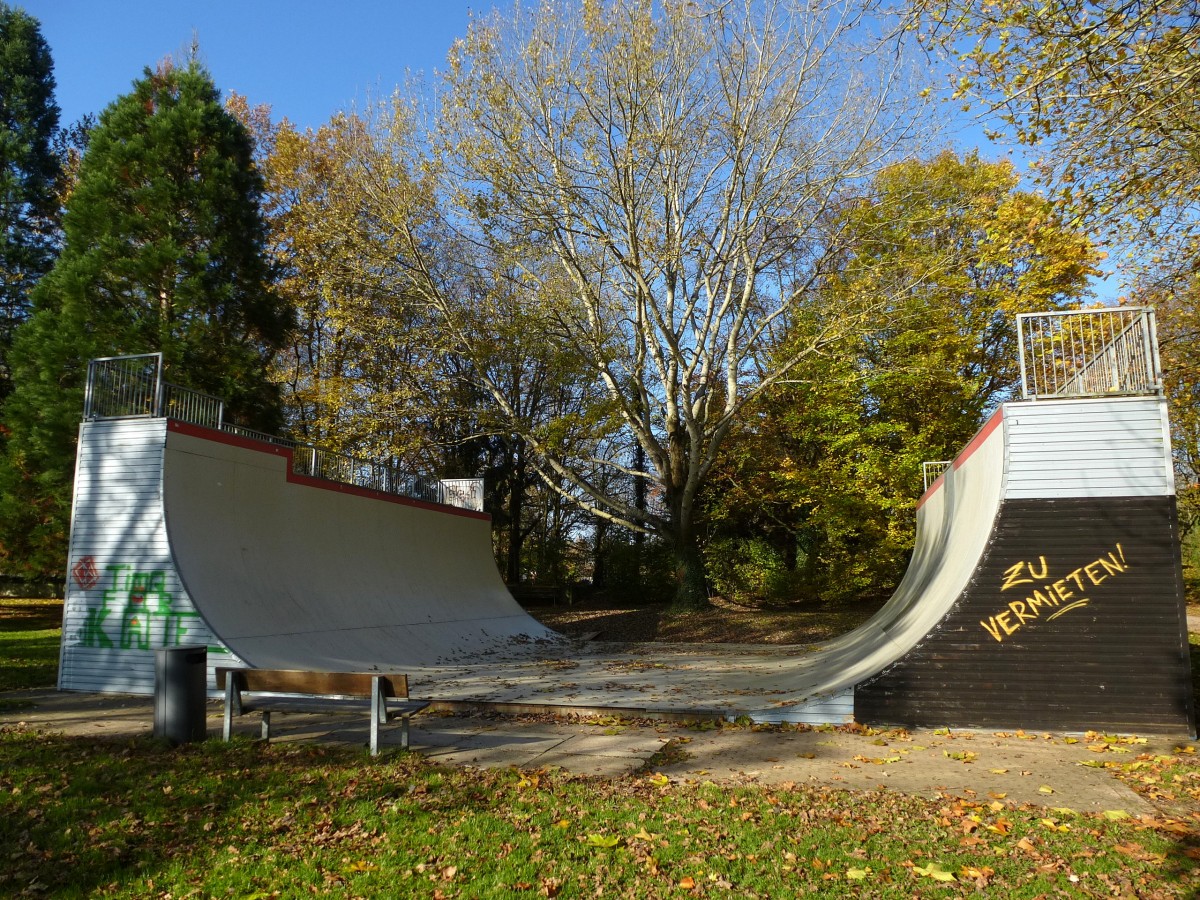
{"x":976,"y":442}
{"x":233,"y":440}
{"x":980,"y":436}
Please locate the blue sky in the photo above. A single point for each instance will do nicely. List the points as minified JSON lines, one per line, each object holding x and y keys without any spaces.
{"x":306,"y":58}
{"x":300,"y":56}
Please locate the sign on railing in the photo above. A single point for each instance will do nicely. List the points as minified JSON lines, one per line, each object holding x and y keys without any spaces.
{"x":466,"y":493}
{"x":132,"y":386}
{"x":1089,"y":353}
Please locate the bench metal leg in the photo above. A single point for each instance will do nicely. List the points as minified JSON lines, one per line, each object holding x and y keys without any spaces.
{"x":227,"y":727}
{"x":266,"y":725}
{"x":378,"y":712}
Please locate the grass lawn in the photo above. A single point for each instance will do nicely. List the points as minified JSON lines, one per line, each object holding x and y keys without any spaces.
{"x":29,"y":638}
{"x":86,"y":818}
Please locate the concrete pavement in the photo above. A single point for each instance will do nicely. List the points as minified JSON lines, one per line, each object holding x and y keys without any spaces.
{"x":1015,"y":767}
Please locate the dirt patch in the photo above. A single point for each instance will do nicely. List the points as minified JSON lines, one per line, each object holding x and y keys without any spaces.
{"x":723,"y":623}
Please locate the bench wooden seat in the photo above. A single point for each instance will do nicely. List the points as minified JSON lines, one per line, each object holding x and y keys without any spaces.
{"x":384,"y":696}
{"x":538,"y":594}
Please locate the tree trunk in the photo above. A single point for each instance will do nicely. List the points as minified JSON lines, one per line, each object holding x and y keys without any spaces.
{"x":691,"y":587}
{"x":600,"y":556}
{"x":639,"y":503}
{"x":516,"y":511}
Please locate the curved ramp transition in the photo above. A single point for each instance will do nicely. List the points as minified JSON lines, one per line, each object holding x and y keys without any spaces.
{"x":297,"y":572}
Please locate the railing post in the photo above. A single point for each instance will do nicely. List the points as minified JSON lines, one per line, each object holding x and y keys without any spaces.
{"x":88,"y":389}
{"x":157,"y":411}
{"x":1150,"y":337}
{"x":158,"y":385}
{"x":1021,"y":355}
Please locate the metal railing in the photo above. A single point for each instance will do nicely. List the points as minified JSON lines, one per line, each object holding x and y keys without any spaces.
{"x":376,"y":476}
{"x":932,"y":471}
{"x":255,"y":435}
{"x":120,"y":387}
{"x":132,"y":387}
{"x":1089,"y":353}
{"x":187,"y":405}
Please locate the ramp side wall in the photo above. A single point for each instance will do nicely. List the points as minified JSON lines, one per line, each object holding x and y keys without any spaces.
{"x":1074,"y":617}
{"x":124,"y":598}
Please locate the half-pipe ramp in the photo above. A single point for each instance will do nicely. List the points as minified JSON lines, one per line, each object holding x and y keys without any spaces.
{"x":1044,"y":588}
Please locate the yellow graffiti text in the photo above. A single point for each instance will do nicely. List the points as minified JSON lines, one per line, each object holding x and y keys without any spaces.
{"x":1053,"y":598}
{"x":1015,"y":575}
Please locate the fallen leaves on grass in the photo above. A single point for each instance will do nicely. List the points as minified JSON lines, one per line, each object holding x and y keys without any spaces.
{"x":935,"y":871}
{"x":543,"y":832}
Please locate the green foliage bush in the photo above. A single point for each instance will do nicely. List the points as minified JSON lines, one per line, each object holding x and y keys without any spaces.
{"x":751,"y":571}
{"x":636,"y":575}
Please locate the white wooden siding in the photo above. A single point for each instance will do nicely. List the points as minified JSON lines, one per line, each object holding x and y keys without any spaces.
{"x":837,"y":708}
{"x":1087,"y":448}
{"x":124,"y":598}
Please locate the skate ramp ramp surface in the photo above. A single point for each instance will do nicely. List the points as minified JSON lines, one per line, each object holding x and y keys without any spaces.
{"x":296,"y":572}
{"x":796,"y":683}
{"x":291,"y":572}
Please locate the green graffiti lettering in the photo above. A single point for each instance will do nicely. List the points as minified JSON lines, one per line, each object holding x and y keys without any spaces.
{"x":146,"y":612}
{"x":92,"y":634}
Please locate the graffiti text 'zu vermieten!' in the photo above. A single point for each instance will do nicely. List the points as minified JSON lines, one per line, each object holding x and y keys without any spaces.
{"x":1053,"y":598}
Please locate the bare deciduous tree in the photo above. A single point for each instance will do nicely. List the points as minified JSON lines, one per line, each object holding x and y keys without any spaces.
{"x":664,"y":178}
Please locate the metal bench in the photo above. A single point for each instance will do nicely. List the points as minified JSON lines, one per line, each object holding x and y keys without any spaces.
{"x":383,"y":696}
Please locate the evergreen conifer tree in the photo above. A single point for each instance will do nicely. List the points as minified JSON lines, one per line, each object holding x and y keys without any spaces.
{"x":28,"y":169}
{"x":163,"y":251}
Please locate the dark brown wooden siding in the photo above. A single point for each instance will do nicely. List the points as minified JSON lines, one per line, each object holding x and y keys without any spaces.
{"x":1075,"y":620}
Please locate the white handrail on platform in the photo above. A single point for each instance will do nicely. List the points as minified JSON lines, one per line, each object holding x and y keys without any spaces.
{"x":1089,"y":353}
{"x":120,"y":387}
{"x":932,"y":471}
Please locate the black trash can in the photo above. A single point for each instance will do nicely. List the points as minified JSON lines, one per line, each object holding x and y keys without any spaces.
{"x":179,"y":693}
